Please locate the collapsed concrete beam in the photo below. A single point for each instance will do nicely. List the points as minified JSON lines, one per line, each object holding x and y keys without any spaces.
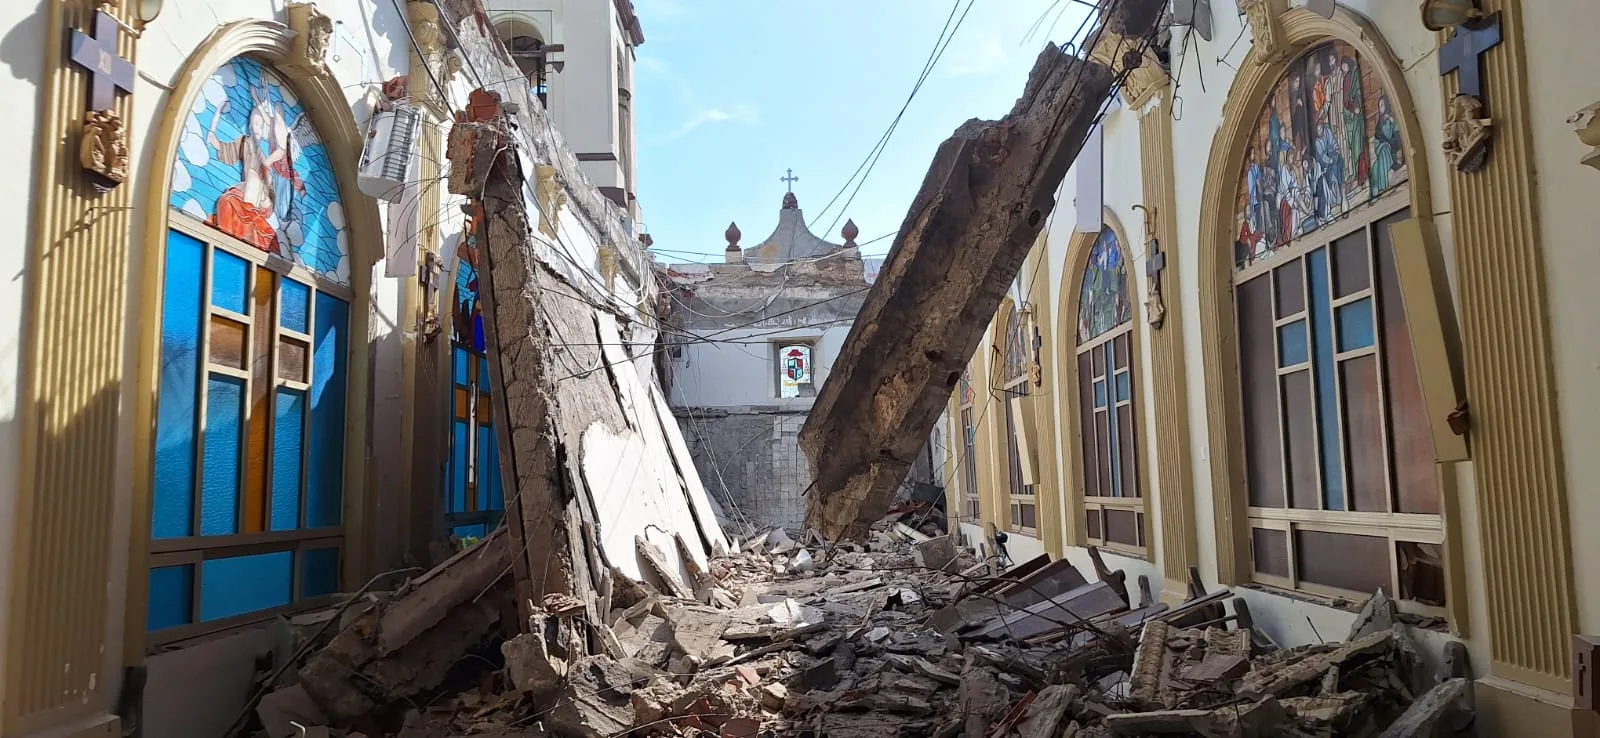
{"x":986,"y":197}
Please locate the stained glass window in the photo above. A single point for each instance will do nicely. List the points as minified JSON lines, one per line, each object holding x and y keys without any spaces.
{"x":1107,"y":411}
{"x":1333,"y":416}
{"x":251,"y":165}
{"x":249,"y":456}
{"x":1327,"y":141}
{"x":474,"y":495}
{"x":1103,"y":300}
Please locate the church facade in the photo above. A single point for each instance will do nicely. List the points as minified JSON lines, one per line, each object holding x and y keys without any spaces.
{"x":755,"y":338}
{"x":1317,"y":327}
{"x":244,"y":358}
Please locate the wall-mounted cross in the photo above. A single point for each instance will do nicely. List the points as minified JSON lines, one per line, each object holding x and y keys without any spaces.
{"x":1156,"y":261}
{"x":1463,"y":54}
{"x":108,"y":73}
{"x":789,"y":178}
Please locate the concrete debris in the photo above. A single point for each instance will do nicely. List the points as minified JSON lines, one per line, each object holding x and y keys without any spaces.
{"x":979,"y":211}
{"x":842,"y":650}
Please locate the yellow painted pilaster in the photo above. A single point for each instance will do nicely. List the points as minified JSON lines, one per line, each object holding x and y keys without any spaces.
{"x":1515,"y":435}
{"x":1178,"y":547}
{"x":63,"y":653}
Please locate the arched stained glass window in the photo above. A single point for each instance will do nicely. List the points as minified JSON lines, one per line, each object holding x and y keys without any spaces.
{"x":1339,"y":462}
{"x":249,"y":466}
{"x":1107,"y":412}
{"x":474,"y":496}
{"x":1103,"y":300}
{"x":1327,"y":142}
{"x":1017,"y":357}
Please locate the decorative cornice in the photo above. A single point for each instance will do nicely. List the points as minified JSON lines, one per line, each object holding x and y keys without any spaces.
{"x":308,"y":49}
{"x":1143,"y":79}
{"x":1265,"y":18}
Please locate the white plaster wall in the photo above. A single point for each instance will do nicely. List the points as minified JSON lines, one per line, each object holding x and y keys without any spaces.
{"x":731,"y":374}
{"x":634,"y":484}
{"x":1568,"y":194}
{"x":21,"y":75}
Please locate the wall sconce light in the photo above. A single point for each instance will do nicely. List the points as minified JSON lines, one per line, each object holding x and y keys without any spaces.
{"x":148,"y":10}
{"x":1438,"y":15}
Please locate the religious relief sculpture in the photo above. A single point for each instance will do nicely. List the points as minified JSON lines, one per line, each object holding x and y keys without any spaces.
{"x":1265,"y":18}
{"x":308,"y":51}
{"x":1155,"y":306}
{"x":547,"y":189}
{"x":1586,"y":123}
{"x":1467,"y":133}
{"x":104,"y":148}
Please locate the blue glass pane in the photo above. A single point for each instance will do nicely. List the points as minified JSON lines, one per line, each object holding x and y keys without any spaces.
{"x":1355,"y":325}
{"x":1124,"y":386}
{"x":483,"y":373}
{"x":1116,"y":455}
{"x":230,"y":281}
{"x":244,"y":584}
{"x":1292,"y":346}
{"x":296,"y":311}
{"x":171,"y":597}
{"x":487,"y":473}
{"x":1328,"y":422}
{"x":496,"y":495}
{"x":470,"y":531}
{"x":460,"y":461}
{"x":224,"y":440}
{"x":459,"y":373}
{"x":319,"y":572}
{"x":172,"y":506}
{"x":330,"y":340}
{"x":288,"y":449}
{"x":1100,"y":393}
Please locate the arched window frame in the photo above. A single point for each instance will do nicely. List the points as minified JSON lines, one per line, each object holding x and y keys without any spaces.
{"x":308,"y":544}
{"x":473,"y":490}
{"x":968,"y":457}
{"x":1011,"y":390}
{"x":1316,"y":312}
{"x":1109,"y":415}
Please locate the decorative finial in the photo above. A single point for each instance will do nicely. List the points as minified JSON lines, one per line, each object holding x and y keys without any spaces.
{"x":850,"y":232}
{"x":789,"y":179}
{"x":789,"y":202}
{"x":733,"y":235}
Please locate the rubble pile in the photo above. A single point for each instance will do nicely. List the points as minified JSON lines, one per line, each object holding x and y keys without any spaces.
{"x":905,"y":635}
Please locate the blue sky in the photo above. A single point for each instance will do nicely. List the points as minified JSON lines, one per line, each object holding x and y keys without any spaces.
{"x":730,"y":93}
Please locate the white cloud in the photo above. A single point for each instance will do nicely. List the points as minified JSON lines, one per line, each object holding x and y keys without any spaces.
{"x":739,"y":113}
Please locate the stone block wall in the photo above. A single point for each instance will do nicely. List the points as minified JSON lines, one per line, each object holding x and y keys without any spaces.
{"x":750,"y":461}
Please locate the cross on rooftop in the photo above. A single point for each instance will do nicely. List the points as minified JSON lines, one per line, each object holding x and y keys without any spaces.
{"x":789,"y":178}
{"x":108,"y":73}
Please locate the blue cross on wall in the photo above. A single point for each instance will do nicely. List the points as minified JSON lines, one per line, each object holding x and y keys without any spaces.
{"x":1463,"y":54}
{"x":108,"y":73}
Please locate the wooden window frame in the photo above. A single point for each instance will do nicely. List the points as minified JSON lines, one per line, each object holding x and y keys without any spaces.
{"x":1019,"y":494}
{"x":1393,"y":527}
{"x":1136,"y":504}
{"x":969,"y":451}
{"x":196,"y":549}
